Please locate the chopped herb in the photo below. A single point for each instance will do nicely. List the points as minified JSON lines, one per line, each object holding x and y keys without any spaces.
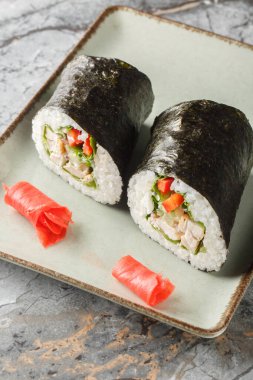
{"x":155,"y":201}
{"x":186,"y":206}
{"x":91,"y":184}
{"x":44,"y":138}
{"x":77,"y":151}
{"x":93,"y":144}
{"x":154,"y":187}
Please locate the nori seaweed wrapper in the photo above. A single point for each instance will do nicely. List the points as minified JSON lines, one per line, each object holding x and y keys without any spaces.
{"x":109,"y":99}
{"x":207,"y":145}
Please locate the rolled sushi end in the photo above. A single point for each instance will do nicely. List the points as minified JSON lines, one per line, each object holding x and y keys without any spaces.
{"x":75,"y":156}
{"x":178,"y":217}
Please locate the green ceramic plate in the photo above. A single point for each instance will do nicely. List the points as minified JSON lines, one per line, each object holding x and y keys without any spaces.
{"x":183,"y":63}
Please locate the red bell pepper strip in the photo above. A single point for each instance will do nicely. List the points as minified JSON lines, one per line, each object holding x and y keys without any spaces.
{"x":148,"y":285}
{"x":173,"y":202}
{"x":87,"y":148}
{"x":49,"y":219}
{"x":164,"y":185}
{"x":72,"y":137}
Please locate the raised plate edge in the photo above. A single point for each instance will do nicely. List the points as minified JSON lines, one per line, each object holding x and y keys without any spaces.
{"x":220,"y":327}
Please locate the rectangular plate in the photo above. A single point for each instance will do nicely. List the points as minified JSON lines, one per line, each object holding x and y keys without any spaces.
{"x":183,"y":63}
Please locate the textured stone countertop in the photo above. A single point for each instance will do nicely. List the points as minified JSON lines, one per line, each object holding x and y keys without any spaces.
{"x":52,"y":330}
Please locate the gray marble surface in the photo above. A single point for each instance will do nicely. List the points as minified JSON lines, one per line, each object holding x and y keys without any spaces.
{"x":52,"y":330}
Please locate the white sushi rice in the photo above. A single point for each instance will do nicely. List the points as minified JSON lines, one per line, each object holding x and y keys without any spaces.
{"x":141,"y":204}
{"x":106,"y":173}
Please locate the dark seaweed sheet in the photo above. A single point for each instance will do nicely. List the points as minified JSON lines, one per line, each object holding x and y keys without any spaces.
{"x":109,"y":99}
{"x":209,"y":146}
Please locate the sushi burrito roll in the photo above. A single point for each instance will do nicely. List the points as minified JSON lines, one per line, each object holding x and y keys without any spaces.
{"x":87,"y":130}
{"x":187,"y":190}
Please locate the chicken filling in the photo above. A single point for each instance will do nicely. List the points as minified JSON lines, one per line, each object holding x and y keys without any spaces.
{"x":68,"y":149}
{"x":171,"y":216}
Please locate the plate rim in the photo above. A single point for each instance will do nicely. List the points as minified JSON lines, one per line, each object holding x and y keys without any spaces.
{"x":246,"y":278}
